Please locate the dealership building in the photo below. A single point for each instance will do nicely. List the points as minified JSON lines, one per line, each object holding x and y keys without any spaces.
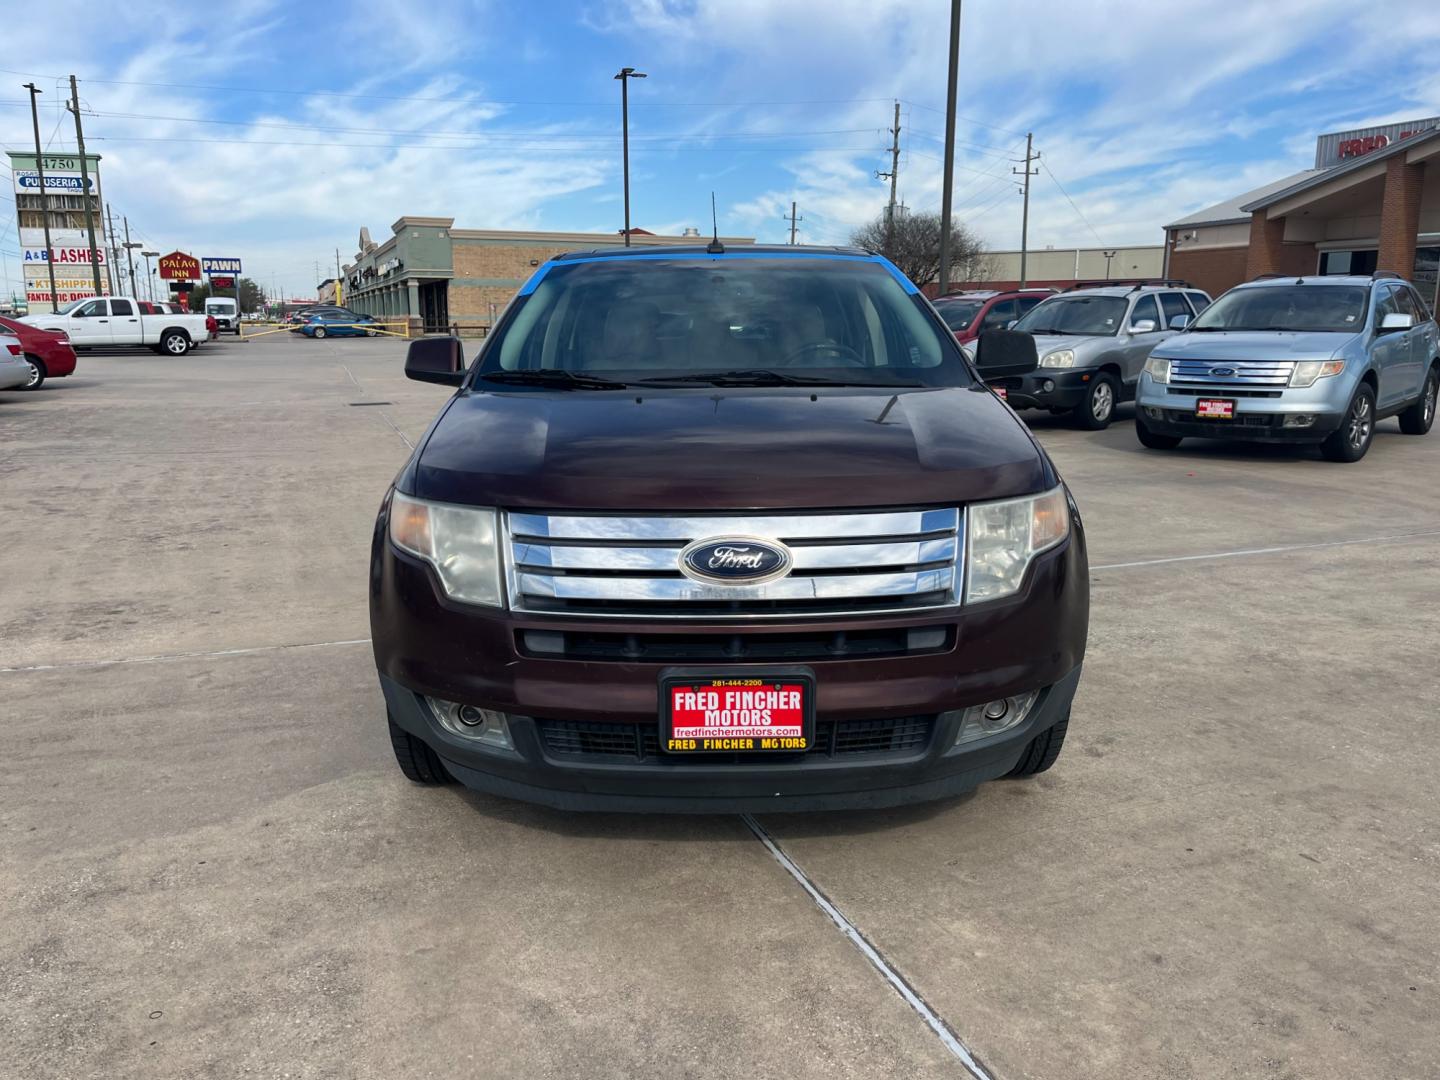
{"x":1371,"y":202}
{"x":436,"y":276}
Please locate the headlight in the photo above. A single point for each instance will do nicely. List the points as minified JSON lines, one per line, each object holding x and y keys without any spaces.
{"x":1158,"y":369}
{"x":458,"y":541}
{"x":1307,"y":371}
{"x":1058,"y":359}
{"x":1002,"y":538}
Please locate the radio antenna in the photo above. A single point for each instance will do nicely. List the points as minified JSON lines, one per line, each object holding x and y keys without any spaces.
{"x":714,"y":247}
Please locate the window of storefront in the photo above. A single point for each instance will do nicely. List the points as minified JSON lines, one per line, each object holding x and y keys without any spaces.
{"x":1426,"y":275}
{"x":1349,"y":262}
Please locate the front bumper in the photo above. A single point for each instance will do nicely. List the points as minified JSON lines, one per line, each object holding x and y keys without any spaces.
{"x":1260,"y":416}
{"x":1054,"y":388}
{"x":426,"y":645}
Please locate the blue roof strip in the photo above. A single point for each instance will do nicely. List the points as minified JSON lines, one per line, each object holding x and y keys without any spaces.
{"x":539,"y":275}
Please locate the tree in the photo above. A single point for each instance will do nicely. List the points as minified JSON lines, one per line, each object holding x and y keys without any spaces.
{"x":916,"y":249}
{"x":252,"y":297}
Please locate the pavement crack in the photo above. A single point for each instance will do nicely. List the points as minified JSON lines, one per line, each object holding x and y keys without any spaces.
{"x":867,"y":949}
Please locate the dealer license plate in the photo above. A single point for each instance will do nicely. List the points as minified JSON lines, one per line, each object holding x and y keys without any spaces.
{"x":722,"y":714}
{"x":1215,"y":409}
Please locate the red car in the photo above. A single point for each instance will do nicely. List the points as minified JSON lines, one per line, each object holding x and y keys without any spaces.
{"x":970,"y":314}
{"x":48,"y":352}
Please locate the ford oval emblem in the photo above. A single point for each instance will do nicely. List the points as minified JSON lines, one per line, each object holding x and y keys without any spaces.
{"x":1222,"y":372}
{"x":735,"y":560}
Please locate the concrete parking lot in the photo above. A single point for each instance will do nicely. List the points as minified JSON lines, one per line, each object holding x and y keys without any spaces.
{"x":210,"y":865}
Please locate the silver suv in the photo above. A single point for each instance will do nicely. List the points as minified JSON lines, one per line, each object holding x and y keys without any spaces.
{"x":1299,"y":360}
{"x":1093,"y":340}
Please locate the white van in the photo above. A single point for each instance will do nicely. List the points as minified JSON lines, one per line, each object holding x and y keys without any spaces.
{"x":226,"y":312}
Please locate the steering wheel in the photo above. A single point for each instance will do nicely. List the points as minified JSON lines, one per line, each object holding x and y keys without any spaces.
{"x":842,"y":353}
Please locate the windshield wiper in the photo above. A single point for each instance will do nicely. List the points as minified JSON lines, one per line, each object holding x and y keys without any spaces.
{"x":755,"y":377}
{"x":552,"y":377}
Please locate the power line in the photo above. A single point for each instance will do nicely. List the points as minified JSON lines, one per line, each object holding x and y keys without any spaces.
{"x":1082,"y":217}
{"x":483,"y":145}
{"x":967,"y":119}
{"x":444,"y":100}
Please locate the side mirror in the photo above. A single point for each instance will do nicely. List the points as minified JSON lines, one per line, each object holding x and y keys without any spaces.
{"x":999,"y":353}
{"x":1011,"y":324}
{"x":436,"y":360}
{"x":1397,"y":320}
{"x":1144,"y":326}
{"x":1179,"y":322}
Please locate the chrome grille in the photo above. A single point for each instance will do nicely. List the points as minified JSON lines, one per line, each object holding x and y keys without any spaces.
{"x":844,"y":563}
{"x":1246,"y":372}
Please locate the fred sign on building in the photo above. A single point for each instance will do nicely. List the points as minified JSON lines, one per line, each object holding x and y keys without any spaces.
{"x":64,"y":199}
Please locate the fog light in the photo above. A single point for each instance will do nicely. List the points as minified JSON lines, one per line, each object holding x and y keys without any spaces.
{"x":1299,"y":420}
{"x":1047,"y":385}
{"x":472,"y":722}
{"x":1154,"y":413}
{"x":982,"y":721}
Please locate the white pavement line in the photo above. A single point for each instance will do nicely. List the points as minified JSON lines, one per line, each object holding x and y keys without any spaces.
{"x":1244,"y":552}
{"x":161,"y":658}
{"x":894,"y":978}
{"x":403,"y":437}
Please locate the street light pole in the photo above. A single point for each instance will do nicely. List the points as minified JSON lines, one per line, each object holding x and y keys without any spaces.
{"x":625,"y":75}
{"x":149,"y":281}
{"x":949,"y":146}
{"x":44,"y":198}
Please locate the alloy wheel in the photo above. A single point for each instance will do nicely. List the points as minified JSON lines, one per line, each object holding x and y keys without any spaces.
{"x":1102,"y":401}
{"x":1360,"y":422}
{"x":1432,"y":387}
{"x":35,"y":376}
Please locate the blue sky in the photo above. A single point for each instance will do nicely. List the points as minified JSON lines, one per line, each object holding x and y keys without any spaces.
{"x":505,"y":115}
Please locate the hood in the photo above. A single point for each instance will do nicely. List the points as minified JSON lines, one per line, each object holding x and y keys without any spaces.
{"x":46,"y":322}
{"x":727,"y":449}
{"x":1252,"y":345}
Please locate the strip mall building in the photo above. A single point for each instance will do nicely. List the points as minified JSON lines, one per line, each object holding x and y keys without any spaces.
{"x":1372,"y":202}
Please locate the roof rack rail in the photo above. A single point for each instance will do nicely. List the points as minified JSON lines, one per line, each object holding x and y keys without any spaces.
{"x":1386,"y":274}
{"x":1138,"y":283}
{"x":1267,"y":277}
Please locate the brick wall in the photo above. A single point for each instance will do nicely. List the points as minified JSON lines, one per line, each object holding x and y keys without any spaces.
{"x":1211,"y":269}
{"x":1400,"y":216}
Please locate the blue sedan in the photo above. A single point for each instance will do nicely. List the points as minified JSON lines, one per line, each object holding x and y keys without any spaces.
{"x":338,"y":325}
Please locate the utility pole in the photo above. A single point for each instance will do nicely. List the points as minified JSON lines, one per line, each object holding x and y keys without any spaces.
{"x":130,"y":255}
{"x":949,"y":181}
{"x":1025,"y":213}
{"x":625,"y":75}
{"x":793,"y":218}
{"x":891,"y":176}
{"x":339,"y":296}
{"x":44,"y":198}
{"x":149,"y":274}
{"x":112,"y":251}
{"x":1108,"y":256}
{"x":85,"y":184}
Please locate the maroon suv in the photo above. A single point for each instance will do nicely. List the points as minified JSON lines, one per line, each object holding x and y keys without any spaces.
{"x":725,"y":531}
{"x":970,"y":314}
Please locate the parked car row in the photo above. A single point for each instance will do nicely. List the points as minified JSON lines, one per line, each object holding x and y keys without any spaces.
{"x":30,"y":355}
{"x":109,"y":321}
{"x":1310,"y":359}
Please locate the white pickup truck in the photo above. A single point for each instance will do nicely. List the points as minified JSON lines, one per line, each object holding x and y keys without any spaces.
{"x":117,"y":320}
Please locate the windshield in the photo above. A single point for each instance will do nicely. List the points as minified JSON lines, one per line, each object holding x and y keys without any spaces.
{"x":958,"y":314}
{"x":72,"y":306}
{"x":1315,"y":308}
{"x":817,"y":320}
{"x":1075,"y":315}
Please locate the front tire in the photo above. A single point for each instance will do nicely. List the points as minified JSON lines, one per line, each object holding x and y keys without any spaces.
{"x":1349,"y":442}
{"x":37,"y":373}
{"x":1098,"y":408}
{"x":1153,"y":439}
{"x":1416,"y":420}
{"x":1042,"y":751}
{"x":417,"y":761}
